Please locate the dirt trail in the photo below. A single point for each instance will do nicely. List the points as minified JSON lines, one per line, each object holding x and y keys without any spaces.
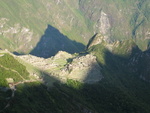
{"x":12,"y":71}
{"x":13,"y":86}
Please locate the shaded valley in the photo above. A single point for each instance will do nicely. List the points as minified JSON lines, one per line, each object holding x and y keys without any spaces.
{"x":53,"y":41}
{"x":50,"y":64}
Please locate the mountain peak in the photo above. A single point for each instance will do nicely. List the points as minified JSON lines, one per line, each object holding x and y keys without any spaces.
{"x":97,"y":39}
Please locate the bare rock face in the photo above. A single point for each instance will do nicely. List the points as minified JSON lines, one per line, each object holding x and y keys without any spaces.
{"x":18,"y":35}
{"x":103,"y":25}
{"x":96,"y":39}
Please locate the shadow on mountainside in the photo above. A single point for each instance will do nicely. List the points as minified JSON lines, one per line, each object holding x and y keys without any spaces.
{"x":118,"y":92}
{"x":53,"y":41}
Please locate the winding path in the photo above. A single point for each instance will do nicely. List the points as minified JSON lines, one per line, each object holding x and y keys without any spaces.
{"x":13,"y":86}
{"x":12,"y":71}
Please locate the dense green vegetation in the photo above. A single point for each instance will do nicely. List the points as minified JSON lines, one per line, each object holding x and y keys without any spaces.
{"x":8,"y":74}
{"x":123,"y":74}
{"x":4,"y":98}
{"x":67,"y":25}
{"x":106,"y":96}
{"x":9,"y":62}
{"x":11,"y":68}
{"x":120,"y":91}
{"x":35,"y":98}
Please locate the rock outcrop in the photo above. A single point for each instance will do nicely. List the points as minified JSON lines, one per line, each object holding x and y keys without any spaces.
{"x":100,"y":39}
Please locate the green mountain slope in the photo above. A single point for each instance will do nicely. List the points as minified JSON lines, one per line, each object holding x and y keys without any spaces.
{"x":126,"y":18}
{"x":121,"y":90}
{"x":24,"y":23}
{"x":110,"y":76}
{"x":11,"y":71}
{"x":11,"y":68}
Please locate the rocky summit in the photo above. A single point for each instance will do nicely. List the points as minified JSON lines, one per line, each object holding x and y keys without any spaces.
{"x":67,"y":26}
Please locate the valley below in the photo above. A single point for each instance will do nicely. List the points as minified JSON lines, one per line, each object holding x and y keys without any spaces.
{"x":78,"y":56}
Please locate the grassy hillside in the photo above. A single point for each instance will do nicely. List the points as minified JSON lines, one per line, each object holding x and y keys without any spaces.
{"x":44,"y":27}
{"x":11,"y":68}
{"x":11,"y":71}
{"x":24,"y":23}
{"x":121,"y":95}
{"x":120,"y":91}
{"x":128,"y":19}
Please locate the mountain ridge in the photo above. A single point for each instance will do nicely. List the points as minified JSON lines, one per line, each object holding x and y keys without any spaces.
{"x":25,"y":22}
{"x":70,"y":73}
{"x":115,"y":71}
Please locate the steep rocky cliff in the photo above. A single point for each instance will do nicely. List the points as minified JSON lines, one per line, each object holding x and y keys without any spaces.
{"x":118,"y":18}
{"x":23,"y":25}
{"x":112,"y":76}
